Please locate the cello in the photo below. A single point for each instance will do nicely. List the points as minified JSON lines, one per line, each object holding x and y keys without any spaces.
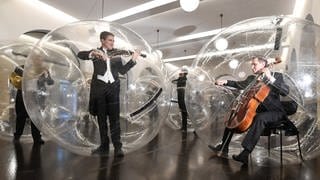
{"x":244,"y":107}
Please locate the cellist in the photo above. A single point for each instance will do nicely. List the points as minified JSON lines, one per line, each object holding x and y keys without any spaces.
{"x":268,"y":111}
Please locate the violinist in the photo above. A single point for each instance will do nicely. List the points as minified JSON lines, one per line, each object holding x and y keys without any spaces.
{"x":269,"y":111}
{"x":105,"y":90}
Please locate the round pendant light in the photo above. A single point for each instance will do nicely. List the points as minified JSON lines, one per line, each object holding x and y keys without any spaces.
{"x":189,"y":5}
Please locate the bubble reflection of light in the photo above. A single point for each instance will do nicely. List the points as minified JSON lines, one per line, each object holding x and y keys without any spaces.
{"x":242,"y":74}
{"x":308,"y":94}
{"x":307,"y":79}
{"x":133,"y":87}
{"x":233,"y":63}
{"x":221,"y":44}
{"x":201,"y":77}
{"x":159,"y":53}
{"x":13,"y":164}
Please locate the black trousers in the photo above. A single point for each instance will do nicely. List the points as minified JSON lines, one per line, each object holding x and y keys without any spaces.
{"x":260,"y":122}
{"x":182,"y":107}
{"x":21,"y":116}
{"x":107,"y":105}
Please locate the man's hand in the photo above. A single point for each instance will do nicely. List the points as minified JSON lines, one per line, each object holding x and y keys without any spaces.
{"x":266,"y":72}
{"x":97,"y":54}
{"x":136,"y":54}
{"x":221,"y":82}
{"x":46,"y":73}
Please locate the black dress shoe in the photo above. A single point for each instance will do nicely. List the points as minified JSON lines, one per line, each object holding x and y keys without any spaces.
{"x":241,"y":158}
{"x":215,"y":148}
{"x":40,"y":142}
{"x":218,"y":148}
{"x":184,"y":130}
{"x":16,"y":139}
{"x":118,"y":152}
{"x":100,"y":151}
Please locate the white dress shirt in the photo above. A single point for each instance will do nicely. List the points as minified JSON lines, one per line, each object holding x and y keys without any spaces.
{"x":107,"y":77}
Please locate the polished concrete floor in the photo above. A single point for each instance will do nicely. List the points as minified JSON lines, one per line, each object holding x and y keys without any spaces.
{"x":171,"y":155}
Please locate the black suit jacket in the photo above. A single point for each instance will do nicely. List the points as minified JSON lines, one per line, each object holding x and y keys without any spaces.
{"x":99,"y":88}
{"x":272,"y":101}
{"x":181,"y":81}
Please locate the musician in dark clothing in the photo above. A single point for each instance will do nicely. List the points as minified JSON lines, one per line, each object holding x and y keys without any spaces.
{"x":269,"y":111}
{"x":43,"y":80}
{"x":105,"y":90}
{"x":181,"y":85}
{"x":21,"y":113}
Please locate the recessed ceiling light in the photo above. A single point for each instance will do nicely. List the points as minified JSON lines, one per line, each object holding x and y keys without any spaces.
{"x":137,"y":9}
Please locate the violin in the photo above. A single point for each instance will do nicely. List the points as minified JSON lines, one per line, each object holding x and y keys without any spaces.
{"x":111,"y":53}
{"x":119,"y":52}
{"x":244,"y":107}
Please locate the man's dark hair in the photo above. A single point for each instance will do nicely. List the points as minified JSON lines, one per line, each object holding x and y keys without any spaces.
{"x":260,"y":59}
{"x":105,"y":34}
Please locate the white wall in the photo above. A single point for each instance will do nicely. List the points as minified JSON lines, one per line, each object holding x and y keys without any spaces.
{"x":305,"y":7}
{"x":19,"y":16}
{"x":315,"y":12}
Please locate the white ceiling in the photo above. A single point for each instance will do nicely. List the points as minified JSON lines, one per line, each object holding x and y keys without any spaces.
{"x":172,"y":21}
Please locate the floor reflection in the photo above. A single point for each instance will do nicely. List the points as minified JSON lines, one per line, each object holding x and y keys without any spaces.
{"x":30,"y":167}
{"x":171,"y":155}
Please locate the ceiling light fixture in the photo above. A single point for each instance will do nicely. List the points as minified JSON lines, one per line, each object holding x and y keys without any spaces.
{"x":220,"y":53}
{"x":181,"y":58}
{"x":189,"y":5}
{"x":102,"y":9}
{"x":113,"y":17}
{"x":221,"y":43}
{"x":157,"y":51}
{"x":137,"y":9}
{"x":196,"y":36}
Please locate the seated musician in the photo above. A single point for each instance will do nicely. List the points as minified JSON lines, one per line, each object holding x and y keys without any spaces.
{"x":268,"y":111}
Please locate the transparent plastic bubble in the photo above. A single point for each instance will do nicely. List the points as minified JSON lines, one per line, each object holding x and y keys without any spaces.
{"x":11,"y":56}
{"x":60,"y":108}
{"x":296,"y":42}
{"x":199,"y":97}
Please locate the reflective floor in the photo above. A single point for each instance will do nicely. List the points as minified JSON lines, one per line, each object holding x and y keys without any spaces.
{"x":171,"y":155}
